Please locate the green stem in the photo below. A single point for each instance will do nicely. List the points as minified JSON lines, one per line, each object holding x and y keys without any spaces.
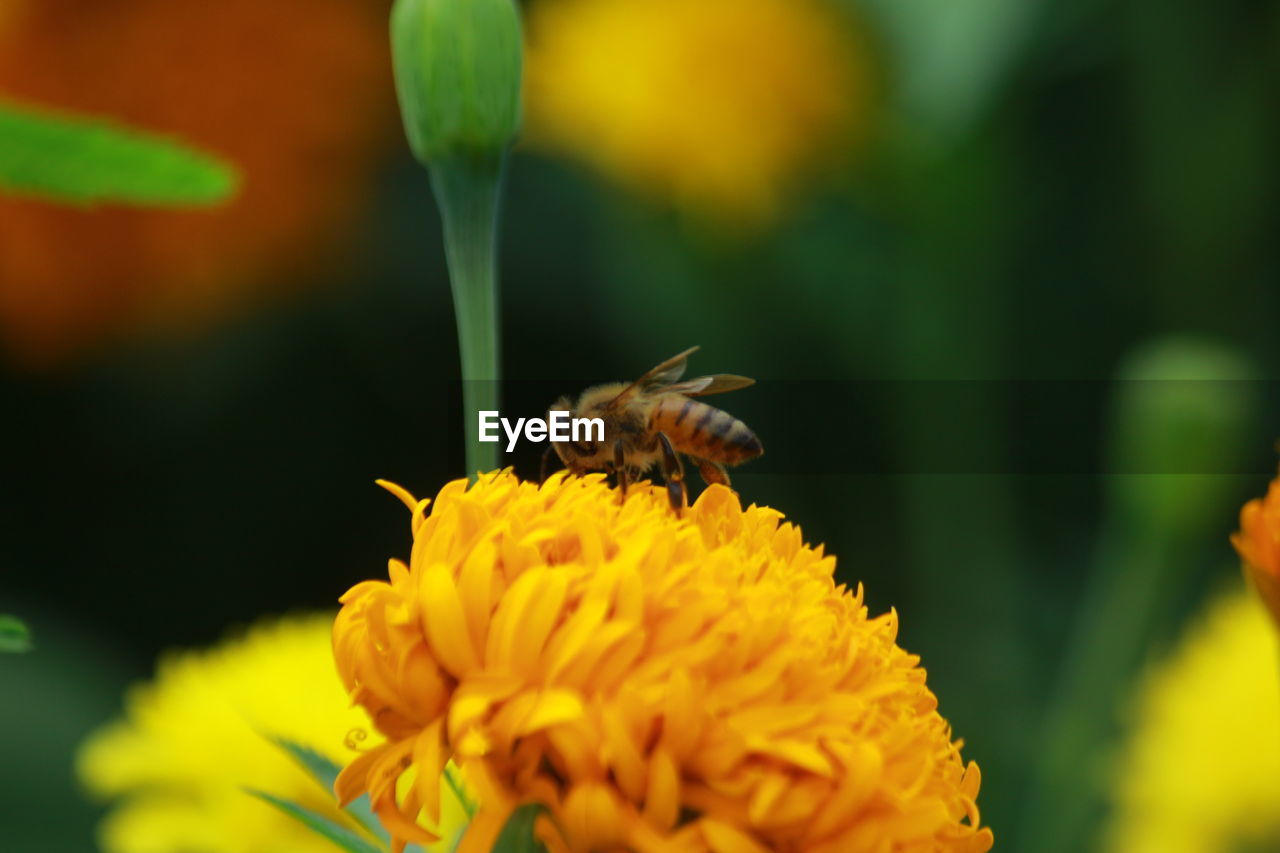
{"x":467,"y":189}
{"x":1137,"y":576}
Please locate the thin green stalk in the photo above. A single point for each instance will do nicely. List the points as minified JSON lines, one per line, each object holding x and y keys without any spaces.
{"x":1180,"y":416}
{"x":467,"y":190}
{"x":1138,"y":573}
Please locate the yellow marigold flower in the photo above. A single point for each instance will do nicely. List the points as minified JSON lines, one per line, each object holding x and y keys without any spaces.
{"x":1258,"y":544}
{"x":1202,"y":771}
{"x":718,"y":105}
{"x":658,"y":683}
{"x":296,"y":93}
{"x":193,"y":740}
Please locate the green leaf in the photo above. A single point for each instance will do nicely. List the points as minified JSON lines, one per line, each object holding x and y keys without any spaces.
{"x":325,"y":772}
{"x":14,"y":636}
{"x":85,"y":160}
{"x":322,"y":826}
{"x":517,"y":836}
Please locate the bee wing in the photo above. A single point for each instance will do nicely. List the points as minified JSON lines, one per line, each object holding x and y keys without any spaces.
{"x":706,"y":385}
{"x":667,"y":372}
{"x":663,"y":374}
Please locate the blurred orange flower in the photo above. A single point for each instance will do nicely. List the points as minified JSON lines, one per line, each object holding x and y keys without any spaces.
{"x":1258,"y":543}
{"x":297,"y":93}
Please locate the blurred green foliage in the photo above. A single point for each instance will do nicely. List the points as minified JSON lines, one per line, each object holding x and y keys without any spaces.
{"x":342,"y":838}
{"x":14,"y":635}
{"x":66,"y":686}
{"x":1184,"y":406}
{"x":518,"y":836}
{"x":95,"y":161}
{"x":1055,"y":188}
{"x":325,"y":773}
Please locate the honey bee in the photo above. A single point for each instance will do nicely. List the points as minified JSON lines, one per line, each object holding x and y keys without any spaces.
{"x":652,"y":421}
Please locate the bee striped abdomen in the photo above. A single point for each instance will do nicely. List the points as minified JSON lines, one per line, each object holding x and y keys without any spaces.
{"x":705,"y":431}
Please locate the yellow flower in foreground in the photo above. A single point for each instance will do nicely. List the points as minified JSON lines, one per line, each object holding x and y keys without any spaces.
{"x":718,"y":105}
{"x":659,"y":683}
{"x":1258,"y":544}
{"x":193,"y":740}
{"x":1202,"y":772}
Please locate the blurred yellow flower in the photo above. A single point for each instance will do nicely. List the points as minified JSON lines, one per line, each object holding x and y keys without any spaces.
{"x":1201,"y":773}
{"x":192,"y":741}
{"x":1258,"y":544}
{"x":720,"y":106}
{"x":297,"y":93}
{"x":658,"y":683}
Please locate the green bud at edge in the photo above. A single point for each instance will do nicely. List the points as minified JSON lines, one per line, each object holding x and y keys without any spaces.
{"x":457,"y":69}
{"x":1184,"y":412}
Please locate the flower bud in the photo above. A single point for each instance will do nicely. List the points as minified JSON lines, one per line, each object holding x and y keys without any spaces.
{"x":457,"y":67}
{"x":1258,"y":545}
{"x":1183,"y":411}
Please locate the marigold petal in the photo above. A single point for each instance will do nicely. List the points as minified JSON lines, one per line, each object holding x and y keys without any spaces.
{"x":444,"y":621}
{"x":385,"y":772}
{"x":429,"y":759}
{"x":593,"y":817}
{"x":483,"y":831}
{"x":473,"y":700}
{"x":406,"y":497}
{"x":572,"y":637}
{"x":579,"y":670}
{"x":624,"y":756}
{"x":662,"y":795}
{"x":618,"y":662}
{"x":524,"y":620}
{"x":551,"y":708}
{"x":859,"y":781}
{"x":403,"y":827}
{"x":724,"y":838}
{"x":800,"y":754}
{"x":476,"y":591}
{"x":424,"y":683}
{"x":576,"y":753}
{"x":682,"y":715}
{"x":352,"y":781}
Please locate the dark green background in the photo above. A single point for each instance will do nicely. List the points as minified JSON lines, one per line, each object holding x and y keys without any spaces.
{"x":1086,"y":180}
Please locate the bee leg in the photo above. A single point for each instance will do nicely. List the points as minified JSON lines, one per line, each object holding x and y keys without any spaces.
{"x":546,"y":463}
{"x":713,"y":473}
{"x":673,"y":471}
{"x":620,"y":466}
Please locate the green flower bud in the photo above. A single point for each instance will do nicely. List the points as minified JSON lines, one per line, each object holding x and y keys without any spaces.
{"x":457,"y":67}
{"x":1181,"y":419}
